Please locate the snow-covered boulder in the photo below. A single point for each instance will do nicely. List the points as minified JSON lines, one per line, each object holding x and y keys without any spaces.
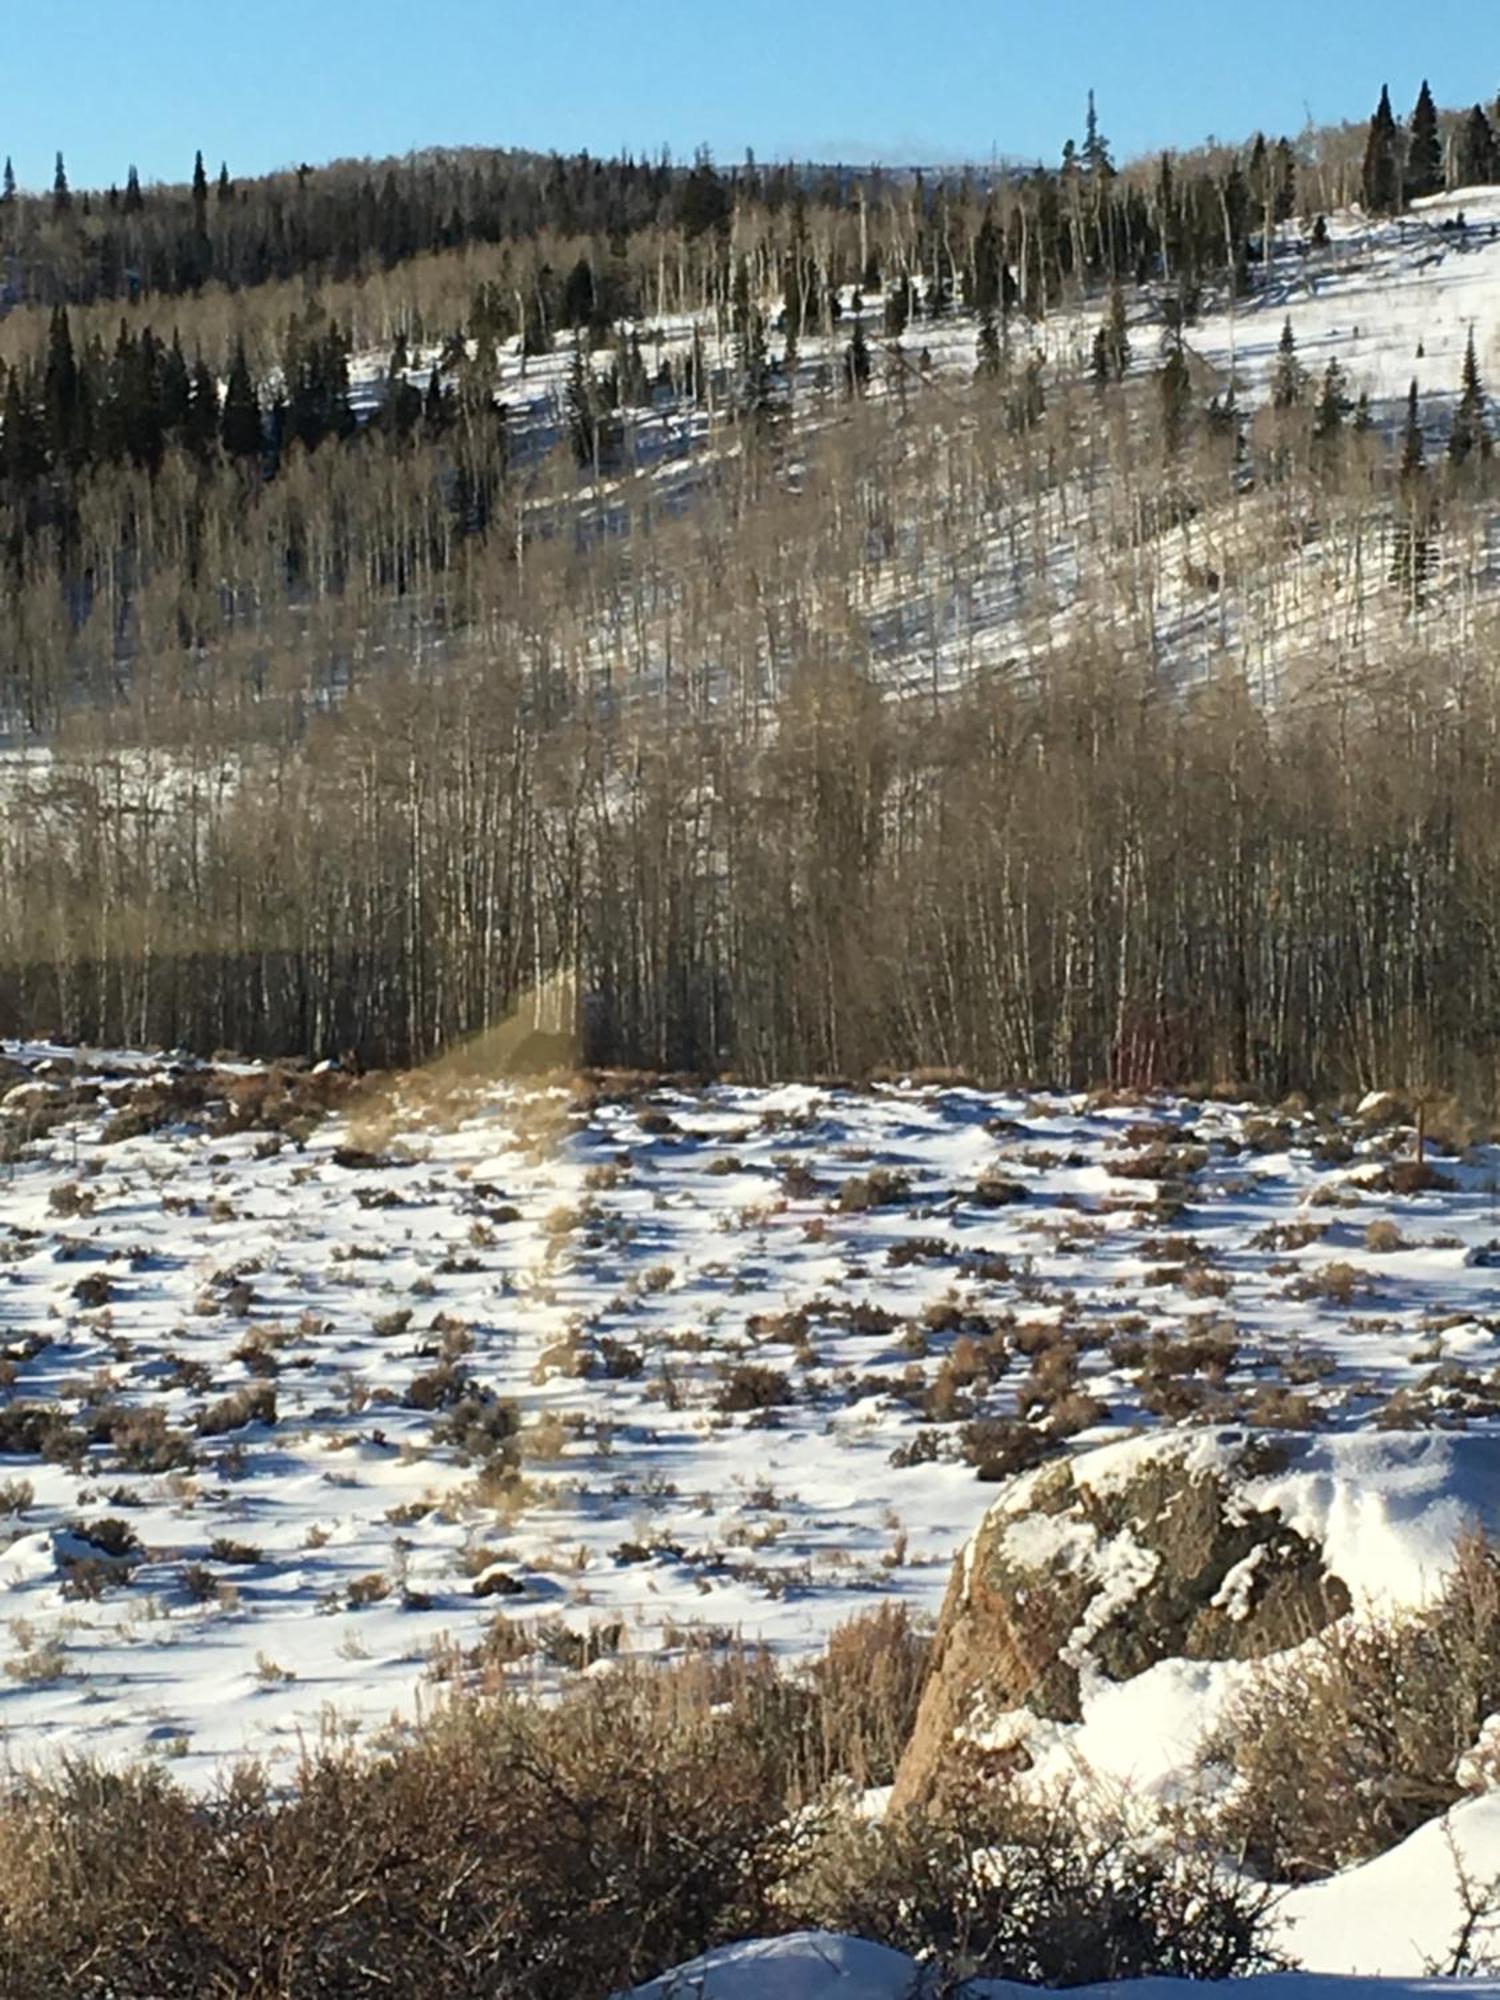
{"x":1100,"y":1585}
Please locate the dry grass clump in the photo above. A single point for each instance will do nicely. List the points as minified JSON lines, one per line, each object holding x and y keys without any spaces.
{"x":254,"y":1404}
{"x":882,"y":1187}
{"x":1339,"y":1283}
{"x":1383,"y":1237}
{"x":1342,"y":1749}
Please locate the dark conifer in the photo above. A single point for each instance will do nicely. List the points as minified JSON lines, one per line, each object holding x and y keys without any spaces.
{"x":1413,"y":445}
{"x":1176,"y":390}
{"x":202,"y":433}
{"x":857,"y":362}
{"x":1286,"y":382}
{"x":1477,"y":160}
{"x":240,"y":426}
{"x":1382,"y":165}
{"x":1333,"y":407}
{"x":62,"y":198}
{"x":1470,"y":435}
{"x":1424,"y":152}
{"x":61,"y":390}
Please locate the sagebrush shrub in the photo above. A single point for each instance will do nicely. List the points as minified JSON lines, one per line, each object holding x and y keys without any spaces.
{"x":1340,"y":1750}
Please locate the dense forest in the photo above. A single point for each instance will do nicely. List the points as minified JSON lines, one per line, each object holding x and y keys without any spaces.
{"x":367,"y":663}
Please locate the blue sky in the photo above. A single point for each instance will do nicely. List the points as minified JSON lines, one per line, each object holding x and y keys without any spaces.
{"x":277,"y":81}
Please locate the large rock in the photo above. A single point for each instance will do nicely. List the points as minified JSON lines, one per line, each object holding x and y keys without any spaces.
{"x":1096,"y":1568}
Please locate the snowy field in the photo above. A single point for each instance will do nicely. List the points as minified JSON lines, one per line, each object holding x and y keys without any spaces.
{"x":303,"y":1416}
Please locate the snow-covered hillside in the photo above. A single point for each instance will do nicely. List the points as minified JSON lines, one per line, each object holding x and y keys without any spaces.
{"x":642,"y":1371}
{"x":981,"y":577}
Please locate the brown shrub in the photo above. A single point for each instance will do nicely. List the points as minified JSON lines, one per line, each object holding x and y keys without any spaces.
{"x":1051,"y":1891}
{"x":997,"y":1447}
{"x":750,"y":1386}
{"x":1342,"y":1749}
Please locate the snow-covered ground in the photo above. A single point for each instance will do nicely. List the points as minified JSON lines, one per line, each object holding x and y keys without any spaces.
{"x":741,"y":1370}
{"x":817,"y":1966}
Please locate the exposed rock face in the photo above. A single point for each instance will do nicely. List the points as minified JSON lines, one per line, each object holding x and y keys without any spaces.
{"x":1104,"y":1565}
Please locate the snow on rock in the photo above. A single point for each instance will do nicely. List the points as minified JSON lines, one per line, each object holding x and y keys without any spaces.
{"x":1110,"y":1606}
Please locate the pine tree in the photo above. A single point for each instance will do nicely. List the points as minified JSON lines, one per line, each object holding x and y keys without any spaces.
{"x":1382,"y":165}
{"x":200,"y":191}
{"x":1424,"y":153}
{"x":1095,"y":146}
{"x":61,"y":390}
{"x":1286,"y":383}
{"x":1477,"y":159}
{"x":1333,"y":407}
{"x":1470,"y":433}
{"x":583,"y":411}
{"x":240,"y":426}
{"x":1176,"y":391}
{"x":225,"y":190}
{"x":1412,"y":554}
{"x":1116,"y":335}
{"x":1413,"y":445}
{"x":203,"y":410}
{"x":857,"y":361}
{"x":62,"y":198}
{"x":134,"y":200}
{"x":8,"y":193}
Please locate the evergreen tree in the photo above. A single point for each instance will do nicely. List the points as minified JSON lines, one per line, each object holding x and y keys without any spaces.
{"x":583,"y":406}
{"x":1116,"y":335}
{"x":1286,"y":382}
{"x":1424,"y":153}
{"x":1176,"y":391}
{"x":202,"y":433}
{"x":62,"y":197}
{"x":857,"y":360}
{"x":1095,"y":146}
{"x":1412,"y":554}
{"x":200,"y":192}
{"x":435,"y":405}
{"x":1382,"y":165}
{"x":1413,"y":445}
{"x":1477,"y":159}
{"x":135,"y":201}
{"x":240,"y":426}
{"x":1470,"y":433}
{"x":225,"y":190}
{"x":8,"y":191}
{"x":62,"y":392}
{"x":1333,"y":408}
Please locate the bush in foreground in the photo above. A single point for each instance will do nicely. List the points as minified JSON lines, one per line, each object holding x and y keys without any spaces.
{"x":529,"y":1851}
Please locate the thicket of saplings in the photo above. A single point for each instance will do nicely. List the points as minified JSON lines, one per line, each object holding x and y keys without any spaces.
{"x":671,"y":768}
{"x":519,"y":1850}
{"x":349,"y":736}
